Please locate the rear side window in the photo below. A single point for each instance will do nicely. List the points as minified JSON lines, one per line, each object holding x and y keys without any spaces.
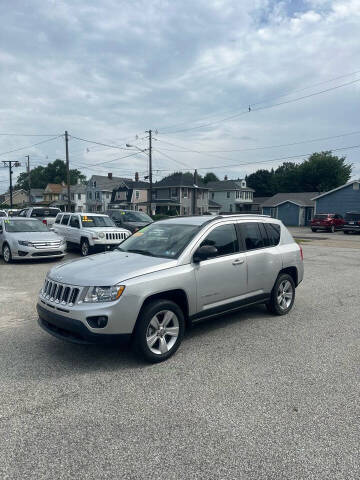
{"x":58,"y":218}
{"x":273,"y":234}
{"x":65,"y":219}
{"x":252,"y":235}
{"x":224,"y":238}
{"x":74,"y":222}
{"x":45,"y":212}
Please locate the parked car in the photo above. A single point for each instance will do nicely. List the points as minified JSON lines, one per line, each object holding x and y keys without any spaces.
{"x":3,"y":213}
{"x":130,"y":219}
{"x":45,"y":215}
{"x":28,"y":239}
{"x":169,"y":274}
{"x":13,"y":212}
{"x":327,"y":221}
{"x":89,"y":231}
{"x":352,"y":222}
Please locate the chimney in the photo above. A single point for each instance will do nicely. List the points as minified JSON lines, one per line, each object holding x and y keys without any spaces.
{"x":226,"y":177}
{"x":136,"y":176}
{"x":110,"y":176}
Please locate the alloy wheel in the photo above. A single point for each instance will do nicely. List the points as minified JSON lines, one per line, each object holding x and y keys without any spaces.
{"x":85,"y":249}
{"x":162,"y":332}
{"x":7,"y":254}
{"x":285,"y":294}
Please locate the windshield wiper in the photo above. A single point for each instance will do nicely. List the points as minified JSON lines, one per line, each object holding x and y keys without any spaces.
{"x":142,"y":252}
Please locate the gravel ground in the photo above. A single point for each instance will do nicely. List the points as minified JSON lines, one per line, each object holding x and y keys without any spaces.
{"x":247,"y":396}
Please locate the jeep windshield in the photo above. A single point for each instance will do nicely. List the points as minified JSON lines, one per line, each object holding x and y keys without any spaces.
{"x":94,"y":221}
{"x":14,"y":226}
{"x":352,"y":217}
{"x":165,"y":240}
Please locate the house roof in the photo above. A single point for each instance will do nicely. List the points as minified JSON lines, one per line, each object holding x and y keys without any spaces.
{"x":303,"y":199}
{"x":54,"y":188}
{"x":335,"y":189}
{"x":78,"y":188}
{"x":103,"y":182}
{"x":214,"y":204}
{"x":37,"y":191}
{"x":136,"y":184}
{"x":260,"y":200}
{"x":179,"y":180}
{"x":222,"y":185}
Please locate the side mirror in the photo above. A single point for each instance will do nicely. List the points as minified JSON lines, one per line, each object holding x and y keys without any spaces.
{"x":204,"y":252}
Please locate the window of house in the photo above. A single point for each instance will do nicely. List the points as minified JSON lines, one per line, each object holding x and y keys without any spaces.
{"x":137,"y":194}
{"x":224,"y":238}
{"x":97,"y":195}
{"x":90,"y":195}
{"x":173,"y":192}
{"x":213,"y":195}
{"x":227,"y":194}
{"x":252,"y":235}
{"x":238,"y":194}
{"x":154,"y":194}
{"x":72,"y":196}
{"x":185,"y":192}
{"x":79,"y":196}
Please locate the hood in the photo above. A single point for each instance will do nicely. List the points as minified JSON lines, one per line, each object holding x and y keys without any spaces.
{"x":36,"y":236}
{"x":109,"y":268}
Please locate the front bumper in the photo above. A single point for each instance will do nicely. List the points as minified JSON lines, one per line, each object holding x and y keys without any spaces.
{"x":73,"y":330}
{"x":31,"y":253}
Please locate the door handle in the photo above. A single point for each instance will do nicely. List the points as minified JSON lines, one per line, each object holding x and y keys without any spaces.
{"x":238,"y":261}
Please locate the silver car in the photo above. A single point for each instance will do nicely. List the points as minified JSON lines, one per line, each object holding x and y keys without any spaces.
{"x":28,"y":238}
{"x":168,"y":275}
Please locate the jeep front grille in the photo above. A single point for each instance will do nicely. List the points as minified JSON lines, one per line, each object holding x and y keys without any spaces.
{"x":60,"y":293}
{"x":116,"y":236}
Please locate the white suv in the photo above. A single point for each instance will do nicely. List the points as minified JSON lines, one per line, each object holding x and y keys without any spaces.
{"x":90,"y":231}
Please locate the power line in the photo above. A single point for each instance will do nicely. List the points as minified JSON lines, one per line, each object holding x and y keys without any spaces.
{"x":248,"y":110}
{"x":99,"y":143}
{"x":259,"y":148}
{"x":29,"y":146}
{"x":30,"y":135}
{"x":267,"y":161}
{"x":171,"y":158}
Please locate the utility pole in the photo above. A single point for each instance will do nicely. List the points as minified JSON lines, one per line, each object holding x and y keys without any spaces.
{"x":195,"y":191}
{"x":29,"y":179}
{"x":150,"y":169}
{"x":67,"y":169}
{"x":10,"y":163}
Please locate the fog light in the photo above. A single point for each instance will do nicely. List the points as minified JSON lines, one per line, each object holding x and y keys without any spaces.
{"x":21,"y":253}
{"x":97,"y":322}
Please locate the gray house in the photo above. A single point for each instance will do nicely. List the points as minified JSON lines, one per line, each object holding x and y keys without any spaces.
{"x":339,"y":200}
{"x":293,"y":209}
{"x":99,"y":190}
{"x":37,"y":195}
{"x":177,"y":195}
{"x":233,"y":195}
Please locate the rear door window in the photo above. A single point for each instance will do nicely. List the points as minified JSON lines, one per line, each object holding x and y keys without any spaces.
{"x":74,"y":221}
{"x":58,"y":219}
{"x":224,"y":238}
{"x":252,"y":235}
{"x":65,"y":219}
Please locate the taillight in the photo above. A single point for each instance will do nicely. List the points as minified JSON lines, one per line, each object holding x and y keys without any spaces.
{"x":45,"y":222}
{"x":301,"y":253}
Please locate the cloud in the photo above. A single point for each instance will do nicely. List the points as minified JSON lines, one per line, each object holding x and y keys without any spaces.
{"x":110,"y":70}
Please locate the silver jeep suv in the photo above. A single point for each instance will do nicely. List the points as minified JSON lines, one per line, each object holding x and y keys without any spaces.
{"x":167,"y":276}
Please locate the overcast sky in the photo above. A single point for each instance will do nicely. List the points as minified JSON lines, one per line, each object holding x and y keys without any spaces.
{"x":107,"y":70}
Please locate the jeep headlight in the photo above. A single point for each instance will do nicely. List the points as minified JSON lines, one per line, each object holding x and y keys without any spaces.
{"x":104,"y":294}
{"x":101,"y":235}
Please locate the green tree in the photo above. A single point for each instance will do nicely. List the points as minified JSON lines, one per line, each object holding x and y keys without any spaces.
{"x":287,"y":178}
{"x":323,"y":171}
{"x":263,"y":182}
{"x":210,"y":177}
{"x":54,"y":172}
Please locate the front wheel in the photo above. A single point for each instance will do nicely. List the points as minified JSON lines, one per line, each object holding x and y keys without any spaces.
{"x":159,"y":330}
{"x":282,"y":295}
{"x":7,"y":253}
{"x":85,"y":248}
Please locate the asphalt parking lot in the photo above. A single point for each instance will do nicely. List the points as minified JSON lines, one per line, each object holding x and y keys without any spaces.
{"x":247,"y":396}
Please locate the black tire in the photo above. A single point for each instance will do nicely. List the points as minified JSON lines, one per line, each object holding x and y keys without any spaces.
{"x":145,"y":331}
{"x":313,"y":230}
{"x":332,"y":229}
{"x":6,"y":256}
{"x":84,"y":247}
{"x":274,"y":305}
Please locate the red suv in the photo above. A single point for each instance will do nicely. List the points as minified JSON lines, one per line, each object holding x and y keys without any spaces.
{"x":327,"y":221}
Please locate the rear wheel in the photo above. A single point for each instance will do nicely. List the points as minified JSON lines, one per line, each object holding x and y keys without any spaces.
{"x":6,"y":251}
{"x":85,"y":247}
{"x":282,"y":295}
{"x":159,"y":330}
